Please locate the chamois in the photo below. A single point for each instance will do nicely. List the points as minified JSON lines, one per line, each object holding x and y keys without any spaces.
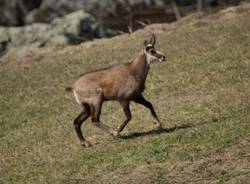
{"x":122,"y":83}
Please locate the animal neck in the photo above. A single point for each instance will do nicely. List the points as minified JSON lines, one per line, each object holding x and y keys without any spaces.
{"x":140,"y":67}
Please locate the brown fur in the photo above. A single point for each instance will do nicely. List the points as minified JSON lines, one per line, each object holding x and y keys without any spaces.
{"x":120,"y":82}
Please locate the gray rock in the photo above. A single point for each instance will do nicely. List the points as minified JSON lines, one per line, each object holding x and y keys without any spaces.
{"x":13,"y":12}
{"x":73,"y":28}
{"x":50,"y":9}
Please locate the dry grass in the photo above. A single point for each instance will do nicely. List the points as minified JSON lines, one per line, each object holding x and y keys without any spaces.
{"x":202,"y":95}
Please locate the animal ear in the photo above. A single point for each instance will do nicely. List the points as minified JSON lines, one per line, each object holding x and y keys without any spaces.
{"x":152,"y":39}
{"x":145,"y":43}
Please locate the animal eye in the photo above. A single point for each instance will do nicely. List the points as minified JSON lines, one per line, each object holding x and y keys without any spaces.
{"x":152,"y":52}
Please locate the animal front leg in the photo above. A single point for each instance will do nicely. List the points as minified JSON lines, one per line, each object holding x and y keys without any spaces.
{"x":141,"y":100}
{"x":126,"y":110}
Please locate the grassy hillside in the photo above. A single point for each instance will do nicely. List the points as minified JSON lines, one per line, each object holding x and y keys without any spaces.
{"x":202,"y":95}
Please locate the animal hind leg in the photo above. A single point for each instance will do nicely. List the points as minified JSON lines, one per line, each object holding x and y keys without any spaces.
{"x":83,"y":116}
{"x":95,"y":116}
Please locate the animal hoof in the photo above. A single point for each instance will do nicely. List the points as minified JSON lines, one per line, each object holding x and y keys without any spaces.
{"x":159,"y":127}
{"x":114,"y":133}
{"x":86,"y":144}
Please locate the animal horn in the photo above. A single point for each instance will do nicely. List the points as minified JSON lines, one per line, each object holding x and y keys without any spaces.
{"x":152,"y":40}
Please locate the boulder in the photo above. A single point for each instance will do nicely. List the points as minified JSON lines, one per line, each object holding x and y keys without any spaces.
{"x":13,"y":12}
{"x":73,"y":28}
{"x":49,"y":9}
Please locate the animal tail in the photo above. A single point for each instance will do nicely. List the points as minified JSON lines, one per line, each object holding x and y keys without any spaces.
{"x":68,"y":88}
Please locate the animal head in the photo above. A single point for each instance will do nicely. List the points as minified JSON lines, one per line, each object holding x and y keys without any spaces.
{"x":151,"y":53}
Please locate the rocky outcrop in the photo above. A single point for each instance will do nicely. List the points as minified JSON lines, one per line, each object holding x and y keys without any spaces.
{"x":13,"y":12}
{"x":42,"y":25}
{"x":52,"y":9}
{"x":22,"y":12}
{"x":73,"y":28}
{"x":115,"y":14}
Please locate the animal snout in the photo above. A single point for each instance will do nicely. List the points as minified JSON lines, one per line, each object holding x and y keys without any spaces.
{"x":162,"y":58}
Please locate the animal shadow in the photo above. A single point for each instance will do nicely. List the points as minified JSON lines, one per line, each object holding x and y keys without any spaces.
{"x":155,"y":132}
